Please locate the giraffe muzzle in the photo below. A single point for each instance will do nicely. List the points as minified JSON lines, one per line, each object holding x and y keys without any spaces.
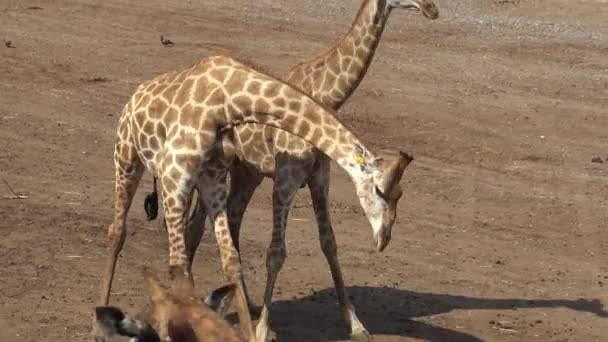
{"x":382,"y":239}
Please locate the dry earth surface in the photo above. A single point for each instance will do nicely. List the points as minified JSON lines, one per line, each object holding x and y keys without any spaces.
{"x":501,"y":235}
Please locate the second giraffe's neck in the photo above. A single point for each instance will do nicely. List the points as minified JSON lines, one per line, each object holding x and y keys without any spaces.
{"x":359,"y":45}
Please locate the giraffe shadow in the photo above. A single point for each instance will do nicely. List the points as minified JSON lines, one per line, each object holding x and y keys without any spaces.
{"x":390,"y":311}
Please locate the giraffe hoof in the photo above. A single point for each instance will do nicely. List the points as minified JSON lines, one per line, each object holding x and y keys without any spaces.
{"x":361,"y":335}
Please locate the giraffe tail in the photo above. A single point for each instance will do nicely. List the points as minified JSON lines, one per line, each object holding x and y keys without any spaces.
{"x":151,"y":203}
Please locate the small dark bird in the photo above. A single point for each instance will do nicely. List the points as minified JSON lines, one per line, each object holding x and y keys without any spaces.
{"x":166,"y":41}
{"x":597,"y":160}
{"x":8,"y":43}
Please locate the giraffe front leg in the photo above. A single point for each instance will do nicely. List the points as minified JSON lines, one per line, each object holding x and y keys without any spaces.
{"x":319,"y":189}
{"x":243,"y":182}
{"x":289,"y":176}
{"x":214,"y":190}
{"x":128,"y":173}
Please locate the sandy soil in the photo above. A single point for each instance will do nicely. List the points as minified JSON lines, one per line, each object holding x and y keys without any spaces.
{"x":501,"y":235}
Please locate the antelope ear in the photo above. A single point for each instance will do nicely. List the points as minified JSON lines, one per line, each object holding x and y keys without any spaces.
{"x":157,"y":292}
{"x":219,"y":300}
{"x":181,"y":330}
{"x":394,"y":170}
{"x":108,"y":317}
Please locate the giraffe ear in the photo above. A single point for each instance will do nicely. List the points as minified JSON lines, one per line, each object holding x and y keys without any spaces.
{"x":158,"y":293}
{"x":393,"y":171}
{"x":358,"y":149}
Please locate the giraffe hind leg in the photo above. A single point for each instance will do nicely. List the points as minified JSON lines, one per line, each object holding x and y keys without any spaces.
{"x":214,"y":190}
{"x":177,"y":187}
{"x":319,"y":190}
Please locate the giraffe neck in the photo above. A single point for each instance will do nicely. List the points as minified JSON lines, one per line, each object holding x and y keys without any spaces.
{"x":346,"y":64}
{"x":360,"y":44}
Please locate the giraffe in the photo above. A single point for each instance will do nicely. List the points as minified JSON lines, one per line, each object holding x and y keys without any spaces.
{"x":265,"y":151}
{"x":175,"y":313}
{"x":179,"y":127}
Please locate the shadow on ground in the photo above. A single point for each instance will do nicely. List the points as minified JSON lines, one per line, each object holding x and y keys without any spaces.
{"x":390,"y":311}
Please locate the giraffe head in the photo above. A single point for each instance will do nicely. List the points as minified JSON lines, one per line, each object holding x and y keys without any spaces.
{"x":176,"y":315}
{"x":426,"y":7}
{"x":379,"y":193}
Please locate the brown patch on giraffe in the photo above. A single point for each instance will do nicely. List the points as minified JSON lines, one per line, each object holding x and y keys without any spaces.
{"x":189,"y":116}
{"x":236,"y":80}
{"x":333,"y":64}
{"x":151,"y":86}
{"x":183,"y":93}
{"x":353,"y":70}
{"x":188,"y":161}
{"x":148,"y":128}
{"x":281,"y":141}
{"x":178,"y":78}
{"x":145,"y":101}
{"x":140,"y":117}
{"x":254,"y":87}
{"x":295,"y":106}
{"x":201,"y":67}
{"x":272,"y":89}
{"x":342,"y":82}
{"x":361,"y":54}
{"x":216,"y":98}
{"x":304,"y":128}
{"x":306,"y":84}
{"x":279,"y":102}
{"x":347,"y":49}
{"x":136,"y":97}
{"x":184,"y":140}
{"x":123,"y":151}
{"x":326,"y":144}
{"x":330,"y":79}
{"x":242,"y":102}
{"x":326,"y":99}
{"x":161,"y":131}
{"x":330,"y":132}
{"x":169,"y":186}
{"x":317,"y":134}
{"x":336,"y":93}
{"x":245,"y":135}
{"x":170,"y":117}
{"x":153,"y":143}
{"x":169,"y":93}
{"x":157,"y":108}
{"x":202,"y":87}
{"x":219,"y":74}
{"x":312,"y":116}
{"x":261,"y":106}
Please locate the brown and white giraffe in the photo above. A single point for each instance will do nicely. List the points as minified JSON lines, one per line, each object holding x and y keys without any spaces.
{"x":265,"y":151}
{"x":177,"y":315}
{"x":177,"y":126}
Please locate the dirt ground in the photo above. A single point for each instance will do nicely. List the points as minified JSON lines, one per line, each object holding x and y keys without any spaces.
{"x":501,"y":234}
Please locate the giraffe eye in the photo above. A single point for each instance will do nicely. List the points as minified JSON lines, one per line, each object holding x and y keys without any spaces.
{"x":381,"y":194}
